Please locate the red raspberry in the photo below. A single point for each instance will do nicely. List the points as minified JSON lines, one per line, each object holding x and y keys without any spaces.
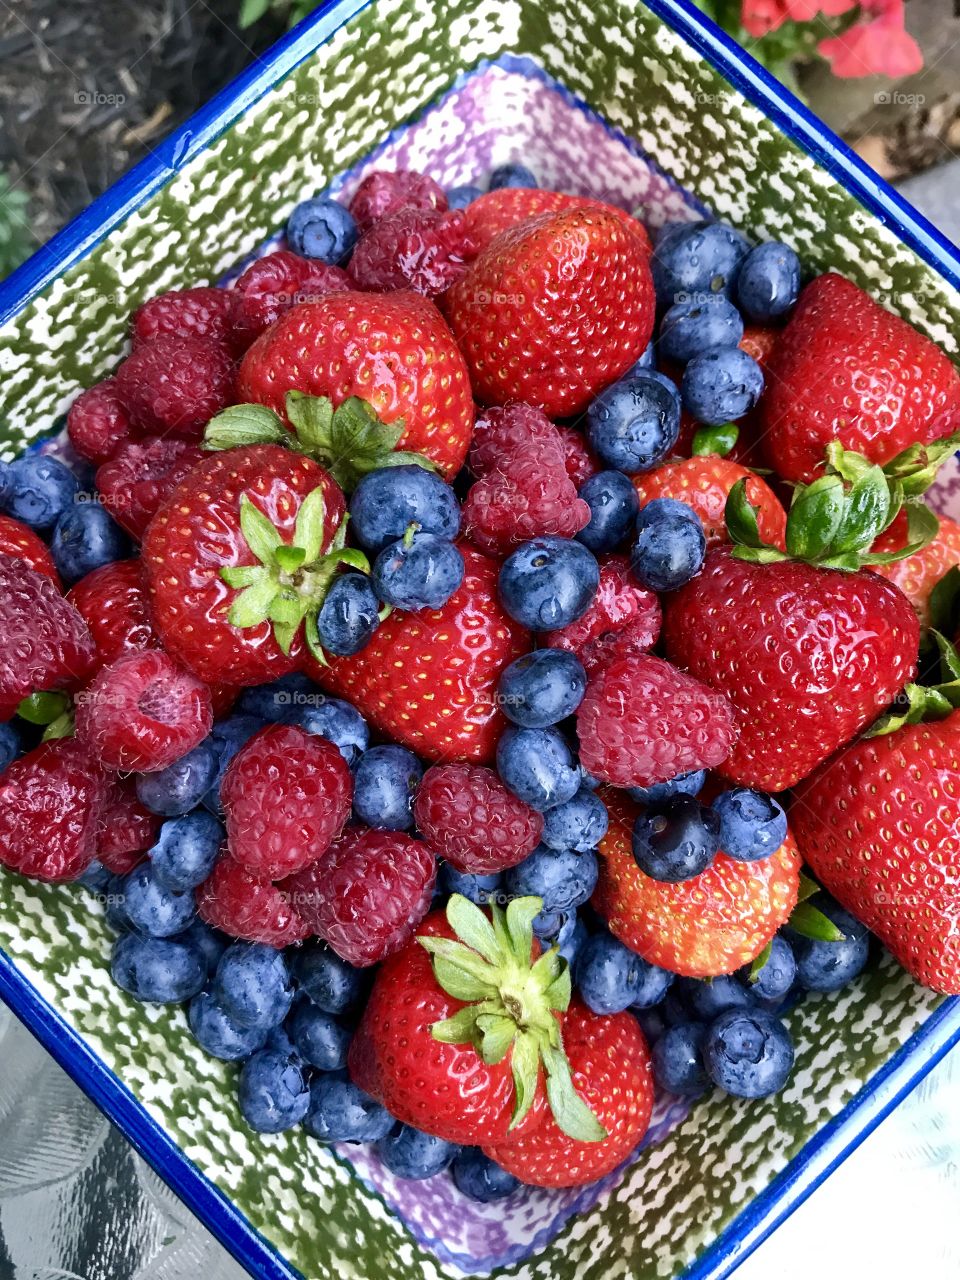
{"x":415,"y":249}
{"x":534,"y":497}
{"x":176,"y":385}
{"x":500,"y":432}
{"x":97,"y":422}
{"x":286,"y":795}
{"x":50,"y":805}
{"x":17,"y":540}
{"x":138,"y":479}
{"x":470,"y":818}
{"x":188,"y":313}
{"x":623,"y":620}
{"x":273,"y":284}
{"x":577,"y":457}
{"x":248,"y":906}
{"x":127,"y":829}
{"x":382,"y":193}
{"x":46,"y":643}
{"x":113,"y":603}
{"x":143,"y":712}
{"x":367,"y":894}
{"x":642,"y":721}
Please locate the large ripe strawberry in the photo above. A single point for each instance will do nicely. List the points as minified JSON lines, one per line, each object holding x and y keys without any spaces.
{"x":17,"y":539}
{"x":713,"y":923}
{"x":429,"y":679}
{"x":704,"y":483}
{"x":505,"y":207}
{"x":846,"y":369}
{"x":393,"y":350}
{"x":917,"y":575}
{"x":553,"y":310}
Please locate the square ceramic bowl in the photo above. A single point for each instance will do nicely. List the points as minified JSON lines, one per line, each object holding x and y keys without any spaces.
{"x":645,"y":106}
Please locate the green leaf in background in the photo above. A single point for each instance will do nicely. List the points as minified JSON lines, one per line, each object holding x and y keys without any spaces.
{"x":16,"y":239}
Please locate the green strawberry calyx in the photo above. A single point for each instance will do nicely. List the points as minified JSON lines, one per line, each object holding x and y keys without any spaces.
{"x":809,"y":921}
{"x":511,"y":1005}
{"x":349,"y":440}
{"x":921,"y":703}
{"x":715,"y":441}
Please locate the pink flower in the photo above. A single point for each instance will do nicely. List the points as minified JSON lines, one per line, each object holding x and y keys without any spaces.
{"x":879,"y":46}
{"x":761,"y":16}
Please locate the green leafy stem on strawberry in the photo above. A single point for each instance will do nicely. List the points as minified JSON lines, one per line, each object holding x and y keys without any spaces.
{"x":920,"y":703}
{"x":512,"y":1003}
{"x":805,"y":919}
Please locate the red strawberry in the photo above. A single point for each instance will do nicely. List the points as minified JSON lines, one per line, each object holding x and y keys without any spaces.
{"x":246,"y":905}
{"x":273,"y":284}
{"x":393,"y":350}
{"x":613,"y":1074}
{"x":494,"y":212}
{"x":469,"y":818}
{"x":112,"y":601}
{"x":713,"y":923}
{"x":385,"y":192}
{"x":139,"y":477}
{"x":845,"y":369}
{"x":286,"y":794}
{"x":176,"y":385}
{"x":704,"y":483}
{"x":530,"y":494}
{"x":232,"y":526}
{"x":127,"y":829}
{"x":97,"y":422}
{"x":759,"y":341}
{"x":187,"y":313}
{"x":419,"y":249}
{"x":553,"y":310}
{"x":18,"y":540}
{"x":917,"y":575}
{"x":429,"y":679}
{"x":622,"y":621}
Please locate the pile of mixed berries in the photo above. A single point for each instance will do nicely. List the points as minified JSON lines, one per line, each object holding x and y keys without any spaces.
{"x":445,"y":646}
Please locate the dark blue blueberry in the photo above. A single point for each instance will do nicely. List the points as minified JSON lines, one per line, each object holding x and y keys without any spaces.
{"x":655,"y":983}
{"x":157,"y":970}
{"x":611,"y":977}
{"x":652,"y":1024}
{"x":511,"y":175}
{"x":211,"y":943}
{"x":479,"y":889}
{"x":384,"y":785}
{"x":634,"y":424}
{"x":697,"y":325}
{"x":274,"y":702}
{"x":563,"y":930}
{"x":769,"y":282}
{"x":278,"y":1041}
{"x":418,"y":571}
{"x":563,"y":879}
{"x":684,"y":784}
{"x":273,"y":1092}
{"x":228,"y":736}
{"x":182,"y":785}
{"x":386,"y":502}
{"x":336,"y":720}
{"x":9,"y":745}
{"x":415,"y":1155}
{"x":674,"y":1007}
{"x":677,"y":841}
{"x":186,"y":850}
{"x":579,"y":824}
{"x":253,"y":985}
{"x":613,"y":504}
{"x":340,"y":1112}
{"x":709,"y":998}
{"x":95,"y":877}
{"x":322,"y":229}
{"x":752,"y":824}
{"x":329,"y":981}
{"x":748,"y":1052}
{"x":114,"y":900}
{"x":152,"y":908}
{"x":4,"y":483}
{"x":222,"y":1036}
{"x":548,"y":582}
{"x":776,"y":976}
{"x":317,"y":1037}
{"x":696,"y":258}
{"x":670,"y":546}
{"x":646,"y":360}
{"x":538,"y":766}
{"x":542,"y":688}
{"x":86,"y":538}
{"x":828,"y":966}
{"x":460,"y":197}
{"x":678,"y":1059}
{"x":478,"y":1178}
{"x":349,"y":615}
{"x":721,"y":385}
{"x":39,"y":490}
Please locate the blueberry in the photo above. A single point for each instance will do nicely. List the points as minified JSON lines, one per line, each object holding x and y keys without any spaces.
{"x":696,"y":258}
{"x":646,"y":360}
{"x":415,"y":1155}
{"x":748,"y":1052}
{"x":548,"y":582}
{"x":721,"y":385}
{"x":385,"y":783}
{"x":697,"y":325}
{"x":152,"y":908}
{"x":538,"y":766}
{"x":157,"y":970}
{"x":579,"y":824}
{"x":678,"y":1059}
{"x":563,"y":930}
{"x":278,"y":1041}
{"x":654,"y":985}
{"x":9,"y":745}
{"x":331,"y":983}
{"x":211,"y":943}
{"x":386,"y":502}
{"x":39,"y":490}
{"x":274,"y":702}
{"x":182,"y":785}
{"x":460,"y":197}
{"x":634,"y":424}
{"x":479,"y":889}
{"x":95,"y":877}
{"x":684,"y":784}
{"x":828,"y":966}
{"x":349,"y":615}
{"x":219,"y":1034}
{"x":478,"y":1178}
{"x":709,"y":998}
{"x":670,"y":546}
{"x":114,"y":899}
{"x":752,"y":825}
{"x":562,"y":879}
{"x":317,"y":1037}
{"x":769,"y":281}
{"x":322,"y":229}
{"x":4,"y":483}
{"x":542,"y":688}
{"x":338,"y":721}
{"x":86,"y":538}
{"x":775,"y":977}
{"x":228,"y":736}
{"x":273,"y":1093}
{"x":652,"y":1024}
{"x":609,"y":975}
{"x":613,"y":504}
{"x":253,"y":985}
{"x":418,"y":571}
{"x":511,"y":175}
{"x":676,"y":842}
{"x":186,"y":850}
{"x":340,"y":1112}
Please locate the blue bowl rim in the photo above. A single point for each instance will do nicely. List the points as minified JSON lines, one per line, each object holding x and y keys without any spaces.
{"x":939,"y":1033}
